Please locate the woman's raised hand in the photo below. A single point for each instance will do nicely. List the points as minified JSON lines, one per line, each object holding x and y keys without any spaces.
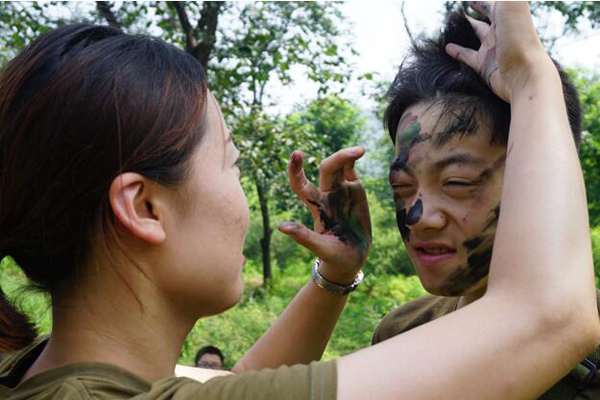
{"x":342,"y":224}
{"x":510,"y":46}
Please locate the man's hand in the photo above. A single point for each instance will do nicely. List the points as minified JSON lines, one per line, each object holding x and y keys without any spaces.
{"x":510,"y":46}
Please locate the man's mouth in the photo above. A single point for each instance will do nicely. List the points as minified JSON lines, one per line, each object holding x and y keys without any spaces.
{"x":435,"y":250}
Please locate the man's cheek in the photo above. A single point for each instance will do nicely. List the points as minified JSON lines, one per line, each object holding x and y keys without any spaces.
{"x":401,"y":216}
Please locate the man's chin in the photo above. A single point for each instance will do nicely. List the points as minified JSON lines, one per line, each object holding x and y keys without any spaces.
{"x":457,"y":289}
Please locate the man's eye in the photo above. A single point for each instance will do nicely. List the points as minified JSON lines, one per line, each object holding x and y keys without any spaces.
{"x":458,"y":184}
{"x":459,"y":188}
{"x":402,"y":189}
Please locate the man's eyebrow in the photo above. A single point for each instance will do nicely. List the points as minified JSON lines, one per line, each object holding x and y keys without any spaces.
{"x":458,"y":158}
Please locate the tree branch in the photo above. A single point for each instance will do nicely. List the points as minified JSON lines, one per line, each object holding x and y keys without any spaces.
{"x":410,"y":36}
{"x":190,"y":38}
{"x":207,"y":26}
{"x":105,"y":11}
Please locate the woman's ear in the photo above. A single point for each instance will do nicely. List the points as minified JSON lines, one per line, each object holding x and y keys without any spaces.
{"x":135,"y":203}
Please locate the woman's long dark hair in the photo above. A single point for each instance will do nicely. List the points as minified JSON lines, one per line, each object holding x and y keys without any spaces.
{"x":79,"y":106}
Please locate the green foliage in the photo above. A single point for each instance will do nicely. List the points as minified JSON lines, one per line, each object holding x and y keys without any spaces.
{"x":388,"y":255}
{"x":573,"y":12}
{"x":588,"y":85}
{"x":595,"y":234}
{"x":35,"y":304}
{"x":271,"y":38}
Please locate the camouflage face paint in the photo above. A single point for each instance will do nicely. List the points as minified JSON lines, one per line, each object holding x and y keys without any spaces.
{"x":409,"y":135}
{"x":479,"y":255}
{"x":401,"y":222}
{"x":487,"y":173}
{"x":415,"y":212}
{"x":463,"y":123}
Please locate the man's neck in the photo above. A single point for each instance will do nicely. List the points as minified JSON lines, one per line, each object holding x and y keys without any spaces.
{"x":470,"y":298}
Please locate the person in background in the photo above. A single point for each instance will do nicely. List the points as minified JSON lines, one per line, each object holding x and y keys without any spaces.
{"x":210,"y":357}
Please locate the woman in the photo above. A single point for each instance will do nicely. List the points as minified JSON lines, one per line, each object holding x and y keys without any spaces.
{"x":120,"y":196}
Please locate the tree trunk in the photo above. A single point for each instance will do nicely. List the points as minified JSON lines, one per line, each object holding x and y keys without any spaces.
{"x":200,"y":40}
{"x":105,"y":10}
{"x":265,"y":241}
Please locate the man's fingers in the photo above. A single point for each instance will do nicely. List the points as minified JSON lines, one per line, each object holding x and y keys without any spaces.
{"x":468,"y":56}
{"x":482,"y":7}
{"x":331,"y":167}
{"x":481,"y":28}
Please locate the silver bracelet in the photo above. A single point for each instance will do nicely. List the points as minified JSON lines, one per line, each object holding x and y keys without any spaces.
{"x":340,"y":290}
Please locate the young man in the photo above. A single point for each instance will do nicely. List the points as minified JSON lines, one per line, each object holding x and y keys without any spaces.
{"x":450,"y":133}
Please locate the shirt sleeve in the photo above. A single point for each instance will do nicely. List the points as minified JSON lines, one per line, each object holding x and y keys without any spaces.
{"x":317,"y":381}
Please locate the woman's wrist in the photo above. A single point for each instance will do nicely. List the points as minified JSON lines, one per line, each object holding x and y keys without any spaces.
{"x":333,"y":274}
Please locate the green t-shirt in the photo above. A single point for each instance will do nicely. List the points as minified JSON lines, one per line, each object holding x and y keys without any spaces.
{"x":427,"y":308}
{"x":317,"y":381}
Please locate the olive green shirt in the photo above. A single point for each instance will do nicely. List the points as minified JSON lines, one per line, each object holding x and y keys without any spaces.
{"x":427,"y":308}
{"x":317,"y":381}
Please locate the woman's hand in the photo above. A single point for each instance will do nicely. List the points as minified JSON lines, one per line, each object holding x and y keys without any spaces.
{"x":510,"y":48}
{"x":342,"y":224}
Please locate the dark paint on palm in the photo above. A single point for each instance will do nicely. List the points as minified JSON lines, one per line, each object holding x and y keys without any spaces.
{"x":344,"y":212}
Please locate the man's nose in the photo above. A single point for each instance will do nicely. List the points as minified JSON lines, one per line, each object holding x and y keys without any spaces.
{"x":423,"y":214}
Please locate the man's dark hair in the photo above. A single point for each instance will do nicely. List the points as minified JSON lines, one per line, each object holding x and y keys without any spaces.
{"x":430,"y":74}
{"x":209,"y":350}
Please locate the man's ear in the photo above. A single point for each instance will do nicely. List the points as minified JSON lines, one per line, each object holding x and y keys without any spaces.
{"x":135,"y":202}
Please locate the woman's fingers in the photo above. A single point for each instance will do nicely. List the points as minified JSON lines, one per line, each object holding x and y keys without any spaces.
{"x":317,"y":243}
{"x":331,"y":167}
{"x":300,"y":185}
{"x":350,"y":172}
{"x":468,"y":56}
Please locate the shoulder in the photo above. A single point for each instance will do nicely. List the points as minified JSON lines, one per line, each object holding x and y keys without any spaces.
{"x":316,"y":381}
{"x":412,"y":314}
{"x":102,"y":382}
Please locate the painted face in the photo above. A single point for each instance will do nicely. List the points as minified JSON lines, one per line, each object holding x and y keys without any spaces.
{"x":207,"y":238}
{"x":447,"y":183}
